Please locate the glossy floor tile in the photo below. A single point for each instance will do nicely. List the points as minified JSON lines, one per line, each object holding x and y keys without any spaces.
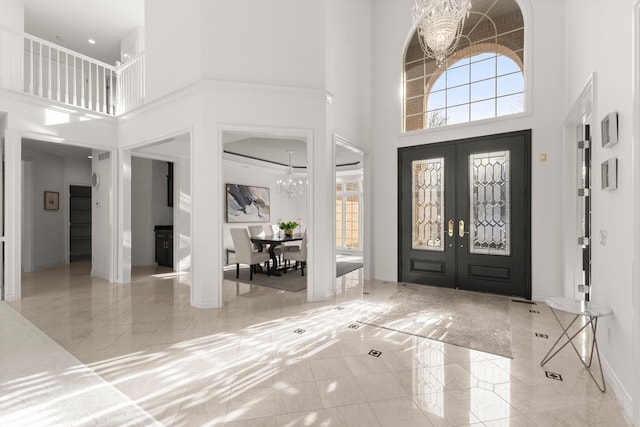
{"x":269,"y":358}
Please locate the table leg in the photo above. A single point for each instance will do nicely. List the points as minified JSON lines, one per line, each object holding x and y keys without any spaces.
{"x":593,"y":323}
{"x":274,"y":267}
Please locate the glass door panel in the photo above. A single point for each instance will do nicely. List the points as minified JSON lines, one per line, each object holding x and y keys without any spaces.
{"x":428,"y":204}
{"x":489,"y":201}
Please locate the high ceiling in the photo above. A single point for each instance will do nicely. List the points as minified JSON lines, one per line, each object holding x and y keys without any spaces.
{"x":71,"y":23}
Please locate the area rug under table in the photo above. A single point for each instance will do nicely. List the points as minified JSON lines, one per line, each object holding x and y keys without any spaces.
{"x":467,"y":319}
{"x":292,"y":281}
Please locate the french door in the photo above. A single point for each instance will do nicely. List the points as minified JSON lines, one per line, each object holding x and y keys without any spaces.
{"x":465,"y":214}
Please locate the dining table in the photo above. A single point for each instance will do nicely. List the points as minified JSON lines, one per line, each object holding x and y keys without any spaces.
{"x":272,"y":242}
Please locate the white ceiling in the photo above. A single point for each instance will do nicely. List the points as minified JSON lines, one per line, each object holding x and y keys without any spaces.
{"x":70,"y":23}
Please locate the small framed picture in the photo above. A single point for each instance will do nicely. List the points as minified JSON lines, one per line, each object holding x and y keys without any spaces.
{"x":51,"y":200}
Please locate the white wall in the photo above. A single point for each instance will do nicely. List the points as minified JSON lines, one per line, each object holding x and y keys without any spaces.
{"x":611,"y":210}
{"x":11,"y":45}
{"x":282,"y":207}
{"x":349,"y":56}
{"x":142,"y":236}
{"x":148,"y":207}
{"x":392,"y":21}
{"x":102,"y":218}
{"x":279,"y":42}
{"x":48,"y":225}
{"x":172,"y":45}
{"x":162,"y":213}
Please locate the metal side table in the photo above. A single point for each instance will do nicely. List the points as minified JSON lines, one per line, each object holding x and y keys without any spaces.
{"x":578,"y":308}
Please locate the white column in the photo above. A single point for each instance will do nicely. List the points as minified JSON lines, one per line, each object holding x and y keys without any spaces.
{"x":12,"y":201}
{"x":322,"y":275}
{"x":123,"y":257}
{"x":207,"y":215}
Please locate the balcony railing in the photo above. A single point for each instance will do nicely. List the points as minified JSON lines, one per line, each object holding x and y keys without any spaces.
{"x":47,"y":70}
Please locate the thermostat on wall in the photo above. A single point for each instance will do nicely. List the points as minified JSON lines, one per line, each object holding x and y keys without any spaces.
{"x":609,"y":127}
{"x":95,"y":180}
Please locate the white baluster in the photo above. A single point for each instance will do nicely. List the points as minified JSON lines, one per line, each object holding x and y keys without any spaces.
{"x":75,"y":81}
{"x":49,"y":71}
{"x":66,"y":72}
{"x":31,"y":66}
{"x":59,"y":79}
{"x":83,"y":103}
{"x":90,"y":87}
{"x":40,"y":70}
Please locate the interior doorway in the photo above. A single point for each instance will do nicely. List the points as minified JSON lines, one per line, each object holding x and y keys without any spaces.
{"x":465,"y":214}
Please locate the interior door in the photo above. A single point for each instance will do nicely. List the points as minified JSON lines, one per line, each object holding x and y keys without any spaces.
{"x":465,"y":214}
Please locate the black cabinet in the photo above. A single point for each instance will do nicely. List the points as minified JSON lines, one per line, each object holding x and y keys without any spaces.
{"x":164,"y":245}
{"x":79,"y":222}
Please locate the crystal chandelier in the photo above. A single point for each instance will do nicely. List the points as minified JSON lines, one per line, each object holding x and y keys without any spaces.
{"x":440,"y":24}
{"x":290,"y":186}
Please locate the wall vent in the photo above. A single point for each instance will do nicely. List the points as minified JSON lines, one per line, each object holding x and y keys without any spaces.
{"x":104,"y":156}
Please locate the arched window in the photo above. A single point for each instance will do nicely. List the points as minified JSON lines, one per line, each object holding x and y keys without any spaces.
{"x":482,"y":79}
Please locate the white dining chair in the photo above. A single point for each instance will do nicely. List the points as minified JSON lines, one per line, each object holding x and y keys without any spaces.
{"x":245,"y":253}
{"x":297,"y":254}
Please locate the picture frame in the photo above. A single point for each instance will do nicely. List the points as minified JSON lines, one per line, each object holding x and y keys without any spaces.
{"x":247,"y":203}
{"x":51,"y":200}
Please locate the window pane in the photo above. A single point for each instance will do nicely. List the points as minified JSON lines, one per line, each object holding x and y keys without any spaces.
{"x":351,"y":221}
{"x":483,"y":109}
{"x":428,"y":204}
{"x":352,"y":186}
{"x":458,"y":114}
{"x":510,"y":104}
{"x":483,"y":90}
{"x":506,"y":65}
{"x":483,"y":70}
{"x":436,"y":100}
{"x":459,"y":63}
{"x":458,"y":76}
{"x":511,"y":83}
{"x":440,"y":84}
{"x":483,"y":56}
{"x":338,"y":187}
{"x":458,"y":95}
{"x":339,"y":221}
{"x":489,"y":197}
{"x":436,"y":118}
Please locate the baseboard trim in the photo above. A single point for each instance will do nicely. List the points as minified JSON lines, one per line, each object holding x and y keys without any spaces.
{"x":100,"y":275}
{"x":621,"y":393}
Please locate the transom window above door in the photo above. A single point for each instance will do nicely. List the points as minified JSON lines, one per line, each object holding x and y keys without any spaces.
{"x":482,"y":79}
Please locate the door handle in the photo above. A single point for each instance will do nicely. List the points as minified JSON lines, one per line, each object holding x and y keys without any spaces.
{"x":461,"y":228}
{"x":450,"y":228}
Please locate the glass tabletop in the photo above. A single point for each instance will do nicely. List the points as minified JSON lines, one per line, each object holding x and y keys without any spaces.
{"x":583,"y":308}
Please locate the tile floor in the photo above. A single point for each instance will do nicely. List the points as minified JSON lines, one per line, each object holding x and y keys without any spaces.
{"x":268,"y":358}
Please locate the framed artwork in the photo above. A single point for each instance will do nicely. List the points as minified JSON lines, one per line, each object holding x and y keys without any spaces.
{"x":51,"y":200}
{"x":247,"y":203}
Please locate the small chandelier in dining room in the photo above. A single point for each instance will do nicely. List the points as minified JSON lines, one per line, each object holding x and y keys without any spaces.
{"x":289,"y":185}
{"x":440,"y":24}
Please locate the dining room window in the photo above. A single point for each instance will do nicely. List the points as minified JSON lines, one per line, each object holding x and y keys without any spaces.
{"x":349,"y":215}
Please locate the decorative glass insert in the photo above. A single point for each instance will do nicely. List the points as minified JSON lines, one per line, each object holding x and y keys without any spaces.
{"x":428,"y":204}
{"x":490,"y":208}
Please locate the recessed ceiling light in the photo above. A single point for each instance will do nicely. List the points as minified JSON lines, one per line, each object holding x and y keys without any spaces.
{"x":92,"y":41}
